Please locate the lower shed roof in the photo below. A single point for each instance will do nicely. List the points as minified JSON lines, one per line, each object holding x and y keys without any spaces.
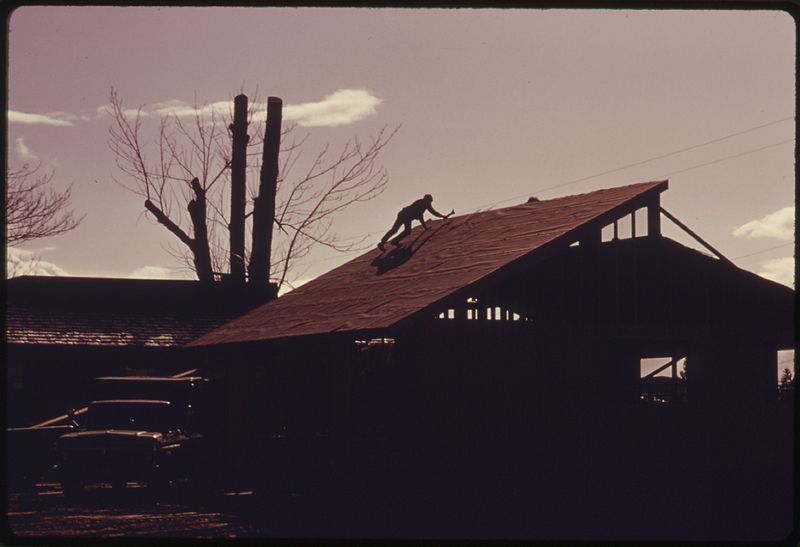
{"x":82,"y":311}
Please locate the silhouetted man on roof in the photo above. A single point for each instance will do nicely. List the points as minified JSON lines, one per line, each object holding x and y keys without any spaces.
{"x":406,"y":215}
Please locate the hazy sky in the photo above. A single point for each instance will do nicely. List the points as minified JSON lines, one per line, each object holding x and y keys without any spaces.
{"x":495,"y":105}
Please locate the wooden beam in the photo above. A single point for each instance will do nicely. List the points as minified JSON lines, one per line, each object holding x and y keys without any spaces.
{"x":674,"y":383}
{"x":699,"y":239}
{"x":591,"y":237}
{"x":654,"y":215}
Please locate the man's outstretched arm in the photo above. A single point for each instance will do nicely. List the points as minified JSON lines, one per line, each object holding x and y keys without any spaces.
{"x":437,"y":213}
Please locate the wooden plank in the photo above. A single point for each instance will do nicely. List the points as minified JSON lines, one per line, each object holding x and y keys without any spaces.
{"x":654,"y":215}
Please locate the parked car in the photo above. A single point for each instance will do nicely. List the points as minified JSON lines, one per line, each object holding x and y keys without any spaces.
{"x":187,"y":390}
{"x":31,"y":453}
{"x":153,"y":441}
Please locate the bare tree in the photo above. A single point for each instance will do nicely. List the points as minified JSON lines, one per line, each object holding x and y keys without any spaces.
{"x":188,"y":165}
{"x":33,"y":208}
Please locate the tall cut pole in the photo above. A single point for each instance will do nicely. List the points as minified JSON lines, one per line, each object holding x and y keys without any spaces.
{"x":264,"y":207}
{"x":238,"y":187}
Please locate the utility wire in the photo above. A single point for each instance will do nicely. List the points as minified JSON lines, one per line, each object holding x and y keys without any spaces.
{"x":641,"y":162}
{"x":637,"y":163}
{"x":763,"y":250}
{"x":718,"y":160}
{"x":727,"y":158}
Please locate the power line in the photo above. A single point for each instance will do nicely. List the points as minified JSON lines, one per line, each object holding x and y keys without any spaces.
{"x":763,"y":250}
{"x":747,"y":152}
{"x":641,"y":162}
{"x":712,"y":162}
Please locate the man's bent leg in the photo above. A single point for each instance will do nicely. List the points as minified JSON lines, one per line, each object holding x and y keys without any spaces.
{"x":392,"y":230}
{"x":406,"y":230}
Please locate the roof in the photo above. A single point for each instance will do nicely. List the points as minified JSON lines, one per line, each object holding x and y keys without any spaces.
{"x":377,"y":290}
{"x":170,"y":379}
{"x":158,"y":402}
{"x":81,"y":311}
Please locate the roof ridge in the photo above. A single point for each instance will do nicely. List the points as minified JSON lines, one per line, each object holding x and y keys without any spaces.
{"x":599,"y":190}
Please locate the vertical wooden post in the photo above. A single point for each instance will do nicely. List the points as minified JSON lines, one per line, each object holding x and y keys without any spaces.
{"x":654,"y":215}
{"x":589,"y":255}
{"x":674,"y":383}
{"x":238,"y":187}
{"x":264,"y":208}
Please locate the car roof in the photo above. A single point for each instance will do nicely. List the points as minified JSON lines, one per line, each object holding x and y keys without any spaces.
{"x":131,"y":401}
{"x":151,"y":378}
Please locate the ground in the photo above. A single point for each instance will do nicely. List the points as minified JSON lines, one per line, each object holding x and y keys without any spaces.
{"x":45,"y":512}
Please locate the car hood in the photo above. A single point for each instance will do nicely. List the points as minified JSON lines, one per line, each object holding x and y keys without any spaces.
{"x":113,"y":433}
{"x":109,"y":439}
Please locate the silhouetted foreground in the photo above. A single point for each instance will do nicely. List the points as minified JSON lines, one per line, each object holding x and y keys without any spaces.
{"x":485,"y":380}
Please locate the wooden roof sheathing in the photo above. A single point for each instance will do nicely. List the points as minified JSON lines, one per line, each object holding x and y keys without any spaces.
{"x":377,"y":290}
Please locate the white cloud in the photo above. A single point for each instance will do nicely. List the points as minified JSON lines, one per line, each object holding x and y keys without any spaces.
{"x":184,"y":110}
{"x":174,"y":107}
{"x":342,"y":107}
{"x":53,"y":118}
{"x":159,"y":272}
{"x":779,"y":225}
{"x":780,"y":270}
{"x":68,"y":117}
{"x":24,"y":153}
{"x":28,"y":262}
{"x":105,"y":110}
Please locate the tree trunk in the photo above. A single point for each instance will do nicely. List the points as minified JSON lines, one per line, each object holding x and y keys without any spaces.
{"x":264,"y":207}
{"x":238,"y":188}
{"x":200,"y":249}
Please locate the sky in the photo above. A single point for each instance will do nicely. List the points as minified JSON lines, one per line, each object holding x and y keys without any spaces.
{"x":495,"y":105}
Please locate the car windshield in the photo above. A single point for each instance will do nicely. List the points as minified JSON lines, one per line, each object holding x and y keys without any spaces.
{"x":131,"y":416}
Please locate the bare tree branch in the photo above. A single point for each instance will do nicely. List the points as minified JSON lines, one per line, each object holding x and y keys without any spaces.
{"x":33,"y":208}
{"x":199,"y":147}
{"x":168,"y":224}
{"x":352,"y":177}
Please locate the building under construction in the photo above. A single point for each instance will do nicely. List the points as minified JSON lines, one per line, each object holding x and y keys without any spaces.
{"x":485,"y":380}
